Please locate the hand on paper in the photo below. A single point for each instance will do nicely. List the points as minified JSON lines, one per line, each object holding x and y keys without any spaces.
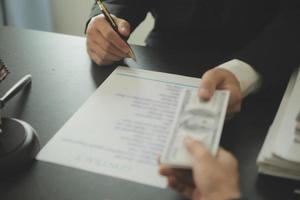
{"x":104,"y":45}
{"x":211,"y":178}
{"x":218,"y":78}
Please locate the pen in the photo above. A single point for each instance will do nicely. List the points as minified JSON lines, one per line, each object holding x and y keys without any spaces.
{"x":3,"y":74}
{"x":12,"y":92}
{"x":113,"y":24}
{"x":15,"y":89}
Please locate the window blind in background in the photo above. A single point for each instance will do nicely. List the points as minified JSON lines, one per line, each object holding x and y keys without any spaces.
{"x":32,"y":14}
{"x":1,"y":14}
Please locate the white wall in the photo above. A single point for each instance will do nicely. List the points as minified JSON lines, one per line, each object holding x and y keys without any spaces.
{"x":139,"y":35}
{"x":70,"y":16}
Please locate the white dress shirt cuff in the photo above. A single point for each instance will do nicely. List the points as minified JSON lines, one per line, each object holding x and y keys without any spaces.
{"x":248,"y":78}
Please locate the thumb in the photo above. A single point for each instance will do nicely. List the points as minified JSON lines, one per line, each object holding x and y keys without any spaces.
{"x":196,"y":149}
{"x":209,"y":82}
{"x":123,"y":27}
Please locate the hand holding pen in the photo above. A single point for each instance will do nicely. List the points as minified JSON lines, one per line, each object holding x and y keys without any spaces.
{"x":105,"y":38}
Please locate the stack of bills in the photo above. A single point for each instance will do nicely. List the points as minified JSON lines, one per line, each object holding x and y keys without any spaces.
{"x":280,"y":154}
{"x":297,"y":128}
{"x":200,"y":120}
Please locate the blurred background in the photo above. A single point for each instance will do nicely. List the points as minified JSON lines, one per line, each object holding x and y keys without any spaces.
{"x":60,"y":16}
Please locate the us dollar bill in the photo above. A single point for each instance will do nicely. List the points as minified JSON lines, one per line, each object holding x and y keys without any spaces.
{"x":297,"y":129}
{"x":201,"y":120}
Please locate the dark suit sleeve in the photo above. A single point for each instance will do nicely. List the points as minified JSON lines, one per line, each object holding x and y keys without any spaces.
{"x":275,"y":53}
{"x":134,"y":11}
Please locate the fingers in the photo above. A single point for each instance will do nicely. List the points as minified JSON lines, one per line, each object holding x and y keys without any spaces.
{"x":104,"y":45}
{"x":184,"y":175}
{"x":183,"y":189}
{"x":179,"y":179}
{"x":219,"y":78}
{"x":210,"y":80}
{"x":123,"y":27}
{"x":196,"y":149}
{"x":165,"y":170}
{"x":109,"y":34}
{"x":201,"y":153}
{"x":98,"y":39}
{"x":215,"y":177}
{"x":102,"y":53}
{"x":235,"y":100}
{"x":93,"y":56}
{"x":174,"y":183}
{"x":225,"y":157}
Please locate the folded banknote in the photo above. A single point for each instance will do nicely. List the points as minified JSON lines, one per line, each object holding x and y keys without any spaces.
{"x":201,"y":120}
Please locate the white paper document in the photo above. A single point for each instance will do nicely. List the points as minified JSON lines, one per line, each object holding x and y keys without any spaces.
{"x":122,"y":128}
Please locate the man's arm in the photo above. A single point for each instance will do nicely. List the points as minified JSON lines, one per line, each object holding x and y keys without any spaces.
{"x":267,"y":60}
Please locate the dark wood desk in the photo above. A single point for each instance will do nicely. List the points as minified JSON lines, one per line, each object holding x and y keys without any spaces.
{"x":64,"y":77}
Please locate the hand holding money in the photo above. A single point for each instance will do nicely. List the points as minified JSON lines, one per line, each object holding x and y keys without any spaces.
{"x":210,"y":177}
{"x":220,"y":78}
{"x":201,"y":120}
